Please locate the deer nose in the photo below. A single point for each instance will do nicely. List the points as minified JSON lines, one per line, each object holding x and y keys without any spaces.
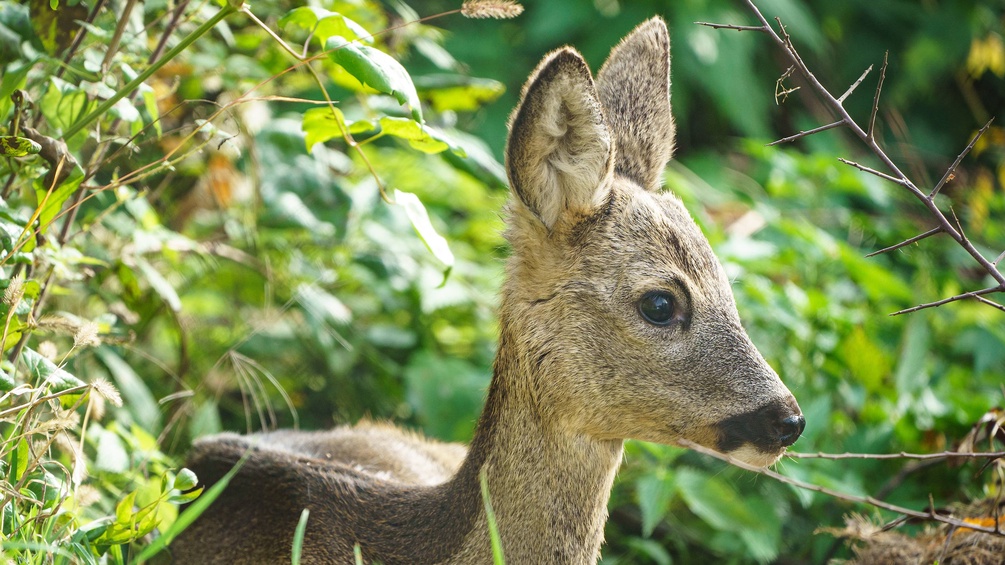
{"x":790,"y":428}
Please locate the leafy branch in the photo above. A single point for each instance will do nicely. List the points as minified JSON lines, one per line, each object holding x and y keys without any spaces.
{"x":867,"y":135}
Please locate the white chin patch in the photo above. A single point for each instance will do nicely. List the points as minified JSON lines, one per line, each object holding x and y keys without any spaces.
{"x":753,"y":456}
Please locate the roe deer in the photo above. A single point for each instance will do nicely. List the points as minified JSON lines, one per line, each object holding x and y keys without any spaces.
{"x":616,"y":321}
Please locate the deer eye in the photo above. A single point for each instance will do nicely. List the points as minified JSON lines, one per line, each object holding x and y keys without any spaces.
{"x":657,"y":307}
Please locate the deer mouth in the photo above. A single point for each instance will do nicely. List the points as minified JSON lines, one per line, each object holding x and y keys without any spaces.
{"x":762,"y":434}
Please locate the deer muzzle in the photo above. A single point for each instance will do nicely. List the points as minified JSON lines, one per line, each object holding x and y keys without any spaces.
{"x":769,"y":429}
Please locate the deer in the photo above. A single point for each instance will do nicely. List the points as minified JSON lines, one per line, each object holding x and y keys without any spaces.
{"x":617,"y":322}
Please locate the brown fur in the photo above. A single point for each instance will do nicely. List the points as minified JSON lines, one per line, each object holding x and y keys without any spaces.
{"x":578,"y":369}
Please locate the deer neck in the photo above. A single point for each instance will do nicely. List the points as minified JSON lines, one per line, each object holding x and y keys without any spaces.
{"x":549,"y":487}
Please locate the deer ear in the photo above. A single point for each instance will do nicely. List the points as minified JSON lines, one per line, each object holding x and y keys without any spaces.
{"x":560,"y":155}
{"x":634,"y":87}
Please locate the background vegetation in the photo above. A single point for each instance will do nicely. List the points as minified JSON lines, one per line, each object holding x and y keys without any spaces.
{"x":207,"y":252}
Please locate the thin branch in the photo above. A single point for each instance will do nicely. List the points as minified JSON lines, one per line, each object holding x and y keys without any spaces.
{"x":973,"y":294}
{"x":907,"y":242}
{"x":875,"y":98}
{"x":951,"y":171}
{"x":731,"y":26}
{"x":783,"y":41}
{"x":990,"y":303}
{"x":901,"y":181}
{"x":806,"y":133}
{"x":901,"y":455}
{"x":929,"y":515}
{"x":854,"y":85}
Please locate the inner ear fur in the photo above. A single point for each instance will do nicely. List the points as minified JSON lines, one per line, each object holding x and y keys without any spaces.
{"x":560,"y":154}
{"x":634,"y":87}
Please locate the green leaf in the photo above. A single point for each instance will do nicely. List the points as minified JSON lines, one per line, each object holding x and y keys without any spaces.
{"x":298,"y":537}
{"x":417,"y":214}
{"x":418,"y":136}
{"x":124,"y":509}
{"x":458,"y":92}
{"x":160,"y":285}
{"x":191,"y":513}
{"x":376,"y":69}
{"x":911,"y":375}
{"x":325,"y":24}
{"x":867,"y":362}
{"x":498,"y":557}
{"x":135,"y":394}
{"x":111,"y":454}
{"x":13,"y":146}
{"x":7,"y":382}
{"x":57,"y":380}
{"x":654,"y":493}
{"x":51,"y":202}
{"x":322,"y":124}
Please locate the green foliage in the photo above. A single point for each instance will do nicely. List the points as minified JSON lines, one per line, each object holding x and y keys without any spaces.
{"x":202,"y":237}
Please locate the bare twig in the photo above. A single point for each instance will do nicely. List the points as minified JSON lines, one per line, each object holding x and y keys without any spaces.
{"x":901,"y":181}
{"x":990,"y":303}
{"x":907,"y":242}
{"x":805,"y":133}
{"x":931,"y":514}
{"x":901,"y":455}
{"x":854,"y":85}
{"x":784,"y":41}
{"x":951,"y":171}
{"x":875,"y":97}
{"x":973,"y":294}
{"x":731,"y":26}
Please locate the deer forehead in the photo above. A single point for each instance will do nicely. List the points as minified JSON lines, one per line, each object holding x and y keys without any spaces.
{"x":650,"y":237}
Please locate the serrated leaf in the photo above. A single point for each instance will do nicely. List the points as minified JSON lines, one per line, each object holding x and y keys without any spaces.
{"x":376,"y":69}
{"x":417,"y":214}
{"x":654,"y":494}
{"x":712,"y":500}
{"x":14,"y":146}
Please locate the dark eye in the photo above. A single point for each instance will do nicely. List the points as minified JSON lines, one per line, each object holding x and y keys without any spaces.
{"x":657,"y":307}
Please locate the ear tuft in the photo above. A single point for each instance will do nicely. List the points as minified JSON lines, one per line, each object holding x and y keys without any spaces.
{"x":634,"y":86}
{"x":560,"y":154}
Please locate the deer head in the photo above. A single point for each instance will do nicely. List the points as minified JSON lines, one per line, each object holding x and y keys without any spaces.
{"x":619,"y":313}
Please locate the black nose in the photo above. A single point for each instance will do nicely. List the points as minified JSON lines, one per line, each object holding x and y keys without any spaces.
{"x":789,"y":430}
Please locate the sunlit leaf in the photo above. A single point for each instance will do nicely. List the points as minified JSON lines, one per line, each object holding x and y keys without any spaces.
{"x":376,"y":69}
{"x":322,"y":124}
{"x":420,"y":221}
{"x":458,"y":92}
{"x":417,"y":135}
{"x":325,"y":24}
{"x":13,"y":146}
